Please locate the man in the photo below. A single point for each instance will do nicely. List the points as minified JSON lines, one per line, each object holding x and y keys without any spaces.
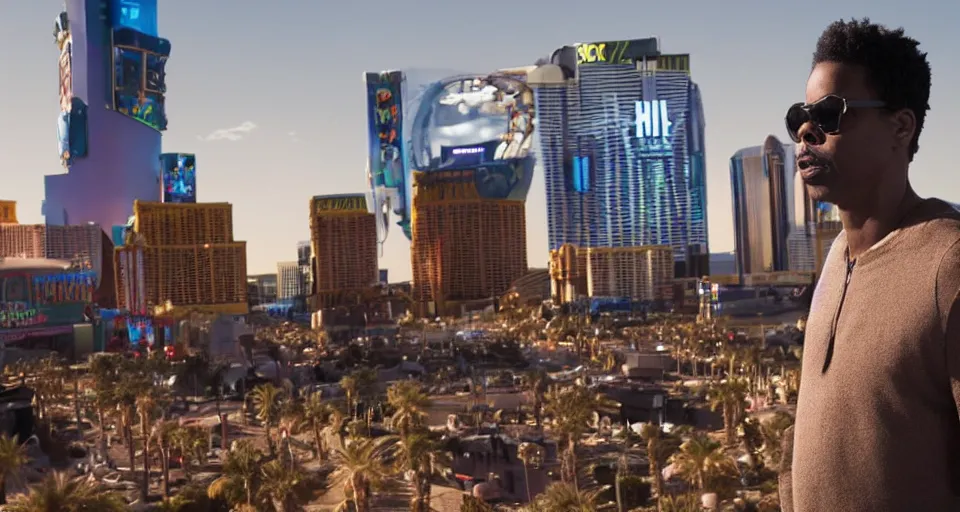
{"x":877,"y":425}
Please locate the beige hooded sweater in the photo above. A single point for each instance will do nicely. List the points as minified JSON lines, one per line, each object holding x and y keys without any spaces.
{"x":877,"y":425}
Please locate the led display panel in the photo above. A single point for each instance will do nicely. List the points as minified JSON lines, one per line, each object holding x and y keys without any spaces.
{"x":179,"y":177}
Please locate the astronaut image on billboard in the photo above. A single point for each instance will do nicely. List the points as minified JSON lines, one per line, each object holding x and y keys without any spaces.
{"x":179,"y":177}
{"x":481,"y":123}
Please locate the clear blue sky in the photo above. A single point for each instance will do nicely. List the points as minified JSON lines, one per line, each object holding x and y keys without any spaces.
{"x":294,"y":66}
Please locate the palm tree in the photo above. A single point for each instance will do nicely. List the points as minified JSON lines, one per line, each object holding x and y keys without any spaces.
{"x":772,"y":431}
{"x":409,"y":403}
{"x":192,"y":442}
{"x":680,"y":503}
{"x":164,"y":435}
{"x":652,"y":434}
{"x":350,"y":386}
{"x":60,"y":493}
{"x":283,"y":486}
{"x":702,"y":462}
{"x":358,"y":385}
{"x":316,"y":413}
{"x":566,"y":497}
{"x":531,"y":454}
{"x":147,"y":403}
{"x":572,"y":410}
{"x":103,"y":370}
{"x":538,"y":382}
{"x":660,"y":447}
{"x":125,"y":399}
{"x":336,"y":423}
{"x":266,"y":400}
{"x":215,"y":379}
{"x":729,"y":396}
{"x":424,"y":458}
{"x":471,"y":504}
{"x":13,"y":456}
{"x":190,"y":498}
{"x":241,"y":469}
{"x":361,"y":465}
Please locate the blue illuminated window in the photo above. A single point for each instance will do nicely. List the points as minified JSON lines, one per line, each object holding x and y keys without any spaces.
{"x":581,"y":174}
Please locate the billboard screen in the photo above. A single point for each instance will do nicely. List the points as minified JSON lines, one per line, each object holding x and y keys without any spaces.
{"x":304,"y":253}
{"x":480,"y":122}
{"x":138,"y":15}
{"x":178,"y":178}
{"x":139,"y":76}
{"x":66,"y":69}
{"x":386,"y":160}
{"x":72,"y":119}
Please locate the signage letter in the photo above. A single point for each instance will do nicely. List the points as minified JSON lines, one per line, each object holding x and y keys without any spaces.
{"x":591,"y":53}
{"x":644,"y":121}
{"x":652,"y":119}
{"x":664,"y":119}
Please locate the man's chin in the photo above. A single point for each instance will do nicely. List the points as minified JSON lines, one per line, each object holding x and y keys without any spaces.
{"x":820,"y":193}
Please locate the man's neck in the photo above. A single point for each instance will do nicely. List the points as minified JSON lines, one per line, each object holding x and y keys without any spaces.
{"x":865,"y":227}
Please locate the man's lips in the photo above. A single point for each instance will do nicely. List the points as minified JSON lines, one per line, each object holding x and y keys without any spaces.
{"x":810,"y":167}
{"x":812,"y":171}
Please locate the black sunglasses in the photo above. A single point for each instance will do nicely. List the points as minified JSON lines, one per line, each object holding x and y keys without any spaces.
{"x":825,"y":113}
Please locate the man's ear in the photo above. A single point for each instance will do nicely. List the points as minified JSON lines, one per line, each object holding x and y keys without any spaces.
{"x":905,"y":125}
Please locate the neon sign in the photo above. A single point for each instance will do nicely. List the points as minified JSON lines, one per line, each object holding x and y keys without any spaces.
{"x":63,"y":288}
{"x":617,"y":52}
{"x":652,"y":120}
{"x":591,"y":53}
{"x":18,"y":314}
{"x":325,"y":205}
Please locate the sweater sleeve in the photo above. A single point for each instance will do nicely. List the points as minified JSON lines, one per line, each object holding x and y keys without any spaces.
{"x":948,"y":307}
{"x":785,"y":478}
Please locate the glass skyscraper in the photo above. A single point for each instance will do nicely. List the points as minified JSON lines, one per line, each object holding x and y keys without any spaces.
{"x":621,"y":140}
{"x":777,"y":227}
{"x":761,"y":182}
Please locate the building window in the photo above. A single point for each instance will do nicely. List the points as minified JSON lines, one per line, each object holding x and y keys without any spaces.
{"x":581,"y":174}
{"x":579,"y":163}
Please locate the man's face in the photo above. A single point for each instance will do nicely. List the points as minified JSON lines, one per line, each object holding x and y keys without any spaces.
{"x":843,"y":168}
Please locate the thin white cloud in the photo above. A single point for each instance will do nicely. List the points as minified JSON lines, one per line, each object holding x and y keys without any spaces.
{"x":293,"y":136}
{"x":231,"y":134}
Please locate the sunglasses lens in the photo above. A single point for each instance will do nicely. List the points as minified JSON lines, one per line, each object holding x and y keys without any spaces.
{"x":827,"y":113}
{"x":795,"y":118}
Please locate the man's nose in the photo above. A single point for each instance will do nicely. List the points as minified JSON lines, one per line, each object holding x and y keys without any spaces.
{"x":811,"y":134}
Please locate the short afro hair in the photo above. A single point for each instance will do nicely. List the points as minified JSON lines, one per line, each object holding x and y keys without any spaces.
{"x":896,"y":68}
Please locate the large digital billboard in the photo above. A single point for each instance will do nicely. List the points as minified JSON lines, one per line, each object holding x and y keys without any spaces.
{"x":482,"y":123}
{"x":139,"y":76}
{"x":178,"y":178}
{"x":386,"y":161}
{"x":138,"y":15}
{"x":72,"y":119}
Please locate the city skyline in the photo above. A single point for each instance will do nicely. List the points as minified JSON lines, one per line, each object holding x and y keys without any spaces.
{"x":268,"y":151}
